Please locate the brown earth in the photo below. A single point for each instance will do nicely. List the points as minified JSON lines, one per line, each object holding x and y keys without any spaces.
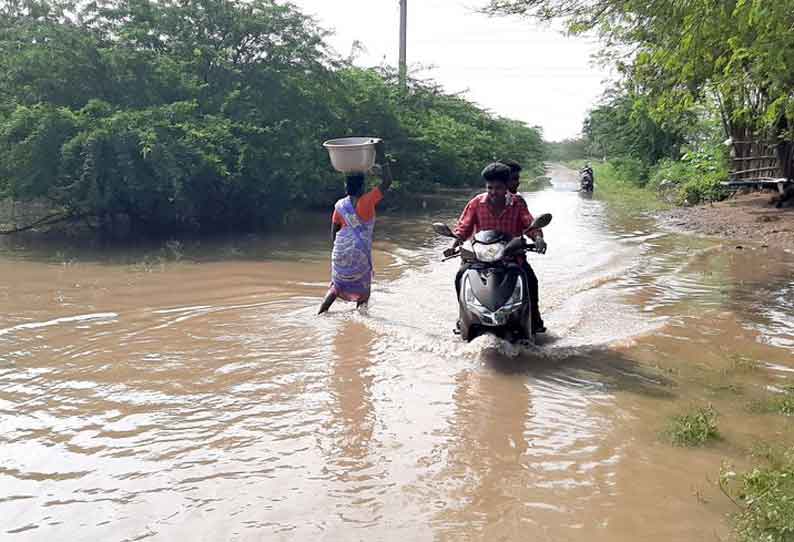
{"x":743,"y":218}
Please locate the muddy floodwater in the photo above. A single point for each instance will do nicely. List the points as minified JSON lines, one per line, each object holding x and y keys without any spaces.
{"x":188,"y":391}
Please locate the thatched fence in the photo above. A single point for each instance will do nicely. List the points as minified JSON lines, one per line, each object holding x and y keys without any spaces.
{"x":758,"y":158}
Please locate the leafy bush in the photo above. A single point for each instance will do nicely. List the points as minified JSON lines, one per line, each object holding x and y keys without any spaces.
{"x":705,"y":189}
{"x":696,"y":177}
{"x":694,"y":428}
{"x":767,"y":496}
{"x":630,"y":170}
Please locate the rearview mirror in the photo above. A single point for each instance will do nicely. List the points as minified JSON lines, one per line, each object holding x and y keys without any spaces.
{"x":540,"y":222}
{"x":442,"y":229}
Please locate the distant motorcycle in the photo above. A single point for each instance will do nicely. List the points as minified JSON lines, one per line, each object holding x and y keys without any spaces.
{"x":586,"y":180}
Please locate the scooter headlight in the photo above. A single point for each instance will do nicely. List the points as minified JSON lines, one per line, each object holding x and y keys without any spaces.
{"x":489,"y":253}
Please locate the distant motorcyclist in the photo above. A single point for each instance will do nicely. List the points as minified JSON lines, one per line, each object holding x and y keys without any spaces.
{"x":499,"y":210}
{"x":586,"y":177}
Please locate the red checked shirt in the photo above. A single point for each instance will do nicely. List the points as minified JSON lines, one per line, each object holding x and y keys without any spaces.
{"x":478,"y":216}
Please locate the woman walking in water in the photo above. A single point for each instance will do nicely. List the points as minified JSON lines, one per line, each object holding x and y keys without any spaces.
{"x":352,"y":226}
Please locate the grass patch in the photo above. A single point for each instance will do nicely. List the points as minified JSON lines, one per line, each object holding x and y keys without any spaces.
{"x":766,"y":498}
{"x":782,"y":403}
{"x":172,"y":251}
{"x":693,"y":428}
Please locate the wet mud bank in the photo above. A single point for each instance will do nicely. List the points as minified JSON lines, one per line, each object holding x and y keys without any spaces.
{"x":747,"y":218}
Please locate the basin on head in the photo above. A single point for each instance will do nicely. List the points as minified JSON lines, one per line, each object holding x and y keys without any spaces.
{"x":352,"y":154}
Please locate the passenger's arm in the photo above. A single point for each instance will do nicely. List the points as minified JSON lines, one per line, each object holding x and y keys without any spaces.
{"x":334,"y":230}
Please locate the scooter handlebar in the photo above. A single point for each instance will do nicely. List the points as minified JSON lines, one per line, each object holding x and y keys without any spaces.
{"x":528,"y":247}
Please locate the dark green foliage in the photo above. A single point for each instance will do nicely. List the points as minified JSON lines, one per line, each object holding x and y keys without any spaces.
{"x":437,"y":138}
{"x":209,"y":115}
{"x":623,"y":128}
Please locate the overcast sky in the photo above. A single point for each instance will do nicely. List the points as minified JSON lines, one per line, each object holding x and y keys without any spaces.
{"x":511,"y":66}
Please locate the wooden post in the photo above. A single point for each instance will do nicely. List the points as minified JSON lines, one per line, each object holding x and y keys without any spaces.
{"x":403,"y":45}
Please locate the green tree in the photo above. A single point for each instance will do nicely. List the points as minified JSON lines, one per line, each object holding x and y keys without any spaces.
{"x":623,"y":126}
{"x":680,"y":53}
{"x":209,"y":114}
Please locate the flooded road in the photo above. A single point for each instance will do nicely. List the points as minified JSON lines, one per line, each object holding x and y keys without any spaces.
{"x":190,"y":392}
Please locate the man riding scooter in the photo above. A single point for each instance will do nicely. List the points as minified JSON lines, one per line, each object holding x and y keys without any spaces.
{"x":499,"y":210}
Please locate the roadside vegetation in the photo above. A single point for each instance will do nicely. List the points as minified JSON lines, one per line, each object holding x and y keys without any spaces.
{"x":209,"y":115}
{"x":645,"y":164}
{"x":765,"y":497}
{"x":684,"y":89}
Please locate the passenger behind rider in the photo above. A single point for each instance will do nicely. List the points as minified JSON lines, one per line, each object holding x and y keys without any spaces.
{"x":532,"y":279}
{"x":498,"y":209}
{"x":515,"y":177}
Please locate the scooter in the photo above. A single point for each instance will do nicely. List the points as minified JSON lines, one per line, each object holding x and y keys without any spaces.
{"x":493,"y":296}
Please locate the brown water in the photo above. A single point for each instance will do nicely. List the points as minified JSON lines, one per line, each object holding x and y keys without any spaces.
{"x":189,"y":392}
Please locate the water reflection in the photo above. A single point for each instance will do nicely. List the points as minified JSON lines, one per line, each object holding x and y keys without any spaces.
{"x":350,"y":461}
{"x":351,"y":390}
{"x":519,"y":443}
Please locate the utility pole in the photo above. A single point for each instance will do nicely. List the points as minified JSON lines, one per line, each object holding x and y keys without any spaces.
{"x":403,"y":39}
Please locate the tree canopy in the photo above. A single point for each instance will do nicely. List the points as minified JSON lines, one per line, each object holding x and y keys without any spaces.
{"x":738,"y":52}
{"x":210,"y":114}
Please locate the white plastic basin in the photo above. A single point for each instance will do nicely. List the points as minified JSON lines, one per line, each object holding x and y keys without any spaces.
{"x":352,"y":154}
